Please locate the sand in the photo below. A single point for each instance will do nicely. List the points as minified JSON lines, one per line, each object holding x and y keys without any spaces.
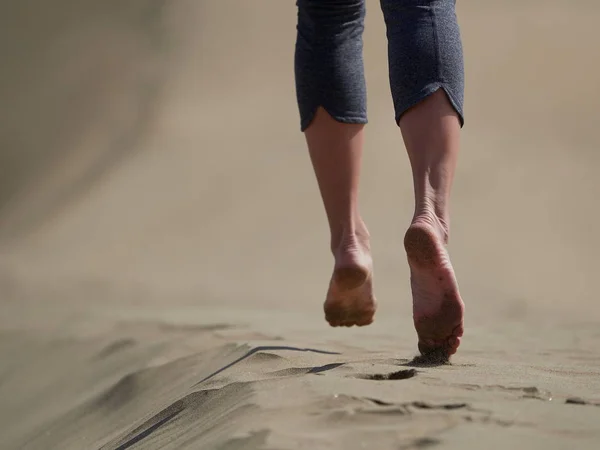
{"x":164,"y":252}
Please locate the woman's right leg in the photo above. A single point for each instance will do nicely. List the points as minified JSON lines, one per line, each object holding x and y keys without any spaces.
{"x":427,"y":83}
{"x":331,"y":92}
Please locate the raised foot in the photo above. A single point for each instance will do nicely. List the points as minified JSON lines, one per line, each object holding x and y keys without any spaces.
{"x":438,"y":309}
{"x":350,"y":299}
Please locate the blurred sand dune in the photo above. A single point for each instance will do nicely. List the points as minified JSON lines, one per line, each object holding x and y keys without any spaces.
{"x":159,"y":220}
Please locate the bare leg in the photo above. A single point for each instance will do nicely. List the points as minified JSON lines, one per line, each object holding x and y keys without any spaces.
{"x":431,"y":134}
{"x":336,"y":151}
{"x":331,"y":93}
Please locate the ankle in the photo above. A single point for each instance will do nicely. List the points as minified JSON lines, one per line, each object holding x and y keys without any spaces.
{"x":436,"y":218}
{"x":350,"y":236}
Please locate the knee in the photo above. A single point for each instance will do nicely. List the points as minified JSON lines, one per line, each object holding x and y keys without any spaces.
{"x":403,"y":9}
{"x":332,"y":12}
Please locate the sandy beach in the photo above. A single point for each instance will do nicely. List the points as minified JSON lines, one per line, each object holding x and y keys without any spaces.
{"x":164,"y":250}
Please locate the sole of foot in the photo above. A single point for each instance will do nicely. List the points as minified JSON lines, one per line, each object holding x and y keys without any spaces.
{"x":438,"y":309}
{"x":350,"y":300}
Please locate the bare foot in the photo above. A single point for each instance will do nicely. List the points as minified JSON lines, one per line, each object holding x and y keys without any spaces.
{"x":437,"y":306}
{"x":350,"y":299}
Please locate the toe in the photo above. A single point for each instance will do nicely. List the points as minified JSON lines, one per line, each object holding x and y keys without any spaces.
{"x":453,"y":342}
{"x":333,"y":321}
{"x":365,"y":321}
{"x":458,"y":330}
{"x":448,"y":347}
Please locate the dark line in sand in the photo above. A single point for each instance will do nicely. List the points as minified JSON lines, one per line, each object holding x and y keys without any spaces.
{"x":261,"y":348}
{"x":325,"y":368}
{"x":424,"y":442}
{"x":144,"y":434}
{"x":404,"y":408}
{"x":399,"y":375}
{"x":580,"y":401}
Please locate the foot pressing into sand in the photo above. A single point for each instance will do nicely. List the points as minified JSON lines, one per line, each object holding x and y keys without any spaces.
{"x":437,"y":306}
{"x":431,"y":133}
